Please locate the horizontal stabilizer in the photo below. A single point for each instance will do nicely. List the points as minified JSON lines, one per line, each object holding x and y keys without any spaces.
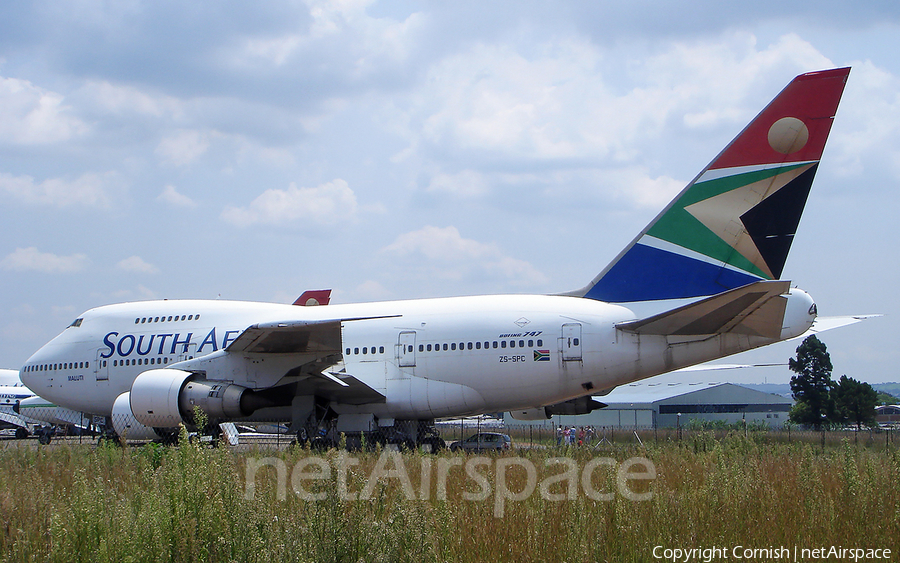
{"x":822,"y":324}
{"x":756,"y":309}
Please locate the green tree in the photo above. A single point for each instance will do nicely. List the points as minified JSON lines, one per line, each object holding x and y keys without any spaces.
{"x":811,"y":387}
{"x":886,"y":398}
{"x":855,"y":401}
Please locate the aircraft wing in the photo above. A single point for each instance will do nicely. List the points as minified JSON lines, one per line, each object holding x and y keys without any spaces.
{"x":755,"y":309}
{"x":290,"y":337}
{"x":318,"y":347}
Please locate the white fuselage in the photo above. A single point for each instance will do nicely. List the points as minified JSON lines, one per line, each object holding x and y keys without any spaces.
{"x":429,"y":358}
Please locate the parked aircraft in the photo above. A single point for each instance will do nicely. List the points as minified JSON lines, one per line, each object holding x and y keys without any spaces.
{"x":21,"y":409}
{"x":388,"y":366}
{"x":11,"y":392}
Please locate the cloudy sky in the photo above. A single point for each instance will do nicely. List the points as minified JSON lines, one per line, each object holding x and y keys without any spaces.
{"x":417,"y":149}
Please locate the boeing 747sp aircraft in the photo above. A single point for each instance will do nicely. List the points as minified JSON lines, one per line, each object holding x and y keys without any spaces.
{"x":392,"y":366}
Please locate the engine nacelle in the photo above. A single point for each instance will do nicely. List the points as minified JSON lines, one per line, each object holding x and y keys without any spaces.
{"x":580,"y":405}
{"x":164,"y":398}
{"x":126,"y":425}
{"x":530,"y":414}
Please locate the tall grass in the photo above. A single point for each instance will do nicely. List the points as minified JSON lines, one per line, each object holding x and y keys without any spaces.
{"x":190,"y":503}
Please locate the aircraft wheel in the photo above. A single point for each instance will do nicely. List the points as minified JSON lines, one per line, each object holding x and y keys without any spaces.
{"x":435,"y":443}
{"x":44,"y":439}
{"x":319,"y":444}
{"x":21,"y":433}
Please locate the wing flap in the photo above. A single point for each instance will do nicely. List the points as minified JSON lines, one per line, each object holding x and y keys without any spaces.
{"x":292,"y":337}
{"x":320,"y":337}
{"x":754,"y":309}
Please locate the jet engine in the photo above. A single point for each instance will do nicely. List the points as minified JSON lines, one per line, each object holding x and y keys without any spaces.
{"x":539,"y":413}
{"x":164,"y":398}
{"x":126,"y":425}
{"x":581,"y":405}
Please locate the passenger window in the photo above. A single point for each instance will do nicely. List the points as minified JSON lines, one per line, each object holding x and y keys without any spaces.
{"x":356,"y":350}
{"x":453,"y":346}
{"x":136,"y":321}
{"x":575,"y":341}
{"x":421,"y":348}
{"x":478,"y":345}
{"x":503,"y":343}
{"x":428,"y":347}
{"x":495,"y":343}
{"x":512,"y":343}
{"x":381,"y":349}
{"x":365,"y":350}
{"x":530,"y":343}
{"x":540,"y":342}
{"x":348,"y":351}
{"x":521,"y":343}
{"x":445,"y":347}
{"x":469,"y":345}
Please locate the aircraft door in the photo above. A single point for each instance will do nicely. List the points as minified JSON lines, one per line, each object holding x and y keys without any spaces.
{"x":101,"y":366}
{"x":406,"y":349}
{"x":570,"y":342}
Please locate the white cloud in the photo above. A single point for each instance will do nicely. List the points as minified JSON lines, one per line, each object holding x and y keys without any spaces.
{"x":183,"y":147}
{"x":326,"y":204}
{"x":866,"y":138}
{"x":32,"y":260}
{"x":136,"y":264}
{"x":91,"y":190}
{"x":465,"y":183}
{"x":449,"y":256}
{"x":171,"y":196}
{"x":141,"y":293}
{"x":644,"y":191}
{"x":30,"y":115}
{"x":118,"y":100}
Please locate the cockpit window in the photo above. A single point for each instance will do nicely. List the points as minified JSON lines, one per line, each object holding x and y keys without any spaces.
{"x":76,"y":323}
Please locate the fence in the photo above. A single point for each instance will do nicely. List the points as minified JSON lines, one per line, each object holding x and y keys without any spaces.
{"x":547,"y":436}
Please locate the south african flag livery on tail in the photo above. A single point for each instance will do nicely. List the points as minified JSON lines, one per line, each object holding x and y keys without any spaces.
{"x":734,"y":223}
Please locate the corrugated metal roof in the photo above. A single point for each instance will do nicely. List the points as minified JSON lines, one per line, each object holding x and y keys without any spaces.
{"x":646,"y":393}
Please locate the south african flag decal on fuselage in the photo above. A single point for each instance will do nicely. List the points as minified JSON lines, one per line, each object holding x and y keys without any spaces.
{"x":542,"y":355}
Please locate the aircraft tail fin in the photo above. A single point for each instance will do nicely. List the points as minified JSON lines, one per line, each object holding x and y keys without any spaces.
{"x":734,"y":223}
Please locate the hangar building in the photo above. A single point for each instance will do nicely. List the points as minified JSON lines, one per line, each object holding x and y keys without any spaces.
{"x":657,"y":405}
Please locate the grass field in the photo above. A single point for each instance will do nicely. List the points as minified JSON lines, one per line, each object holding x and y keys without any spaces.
{"x":189,"y":503}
